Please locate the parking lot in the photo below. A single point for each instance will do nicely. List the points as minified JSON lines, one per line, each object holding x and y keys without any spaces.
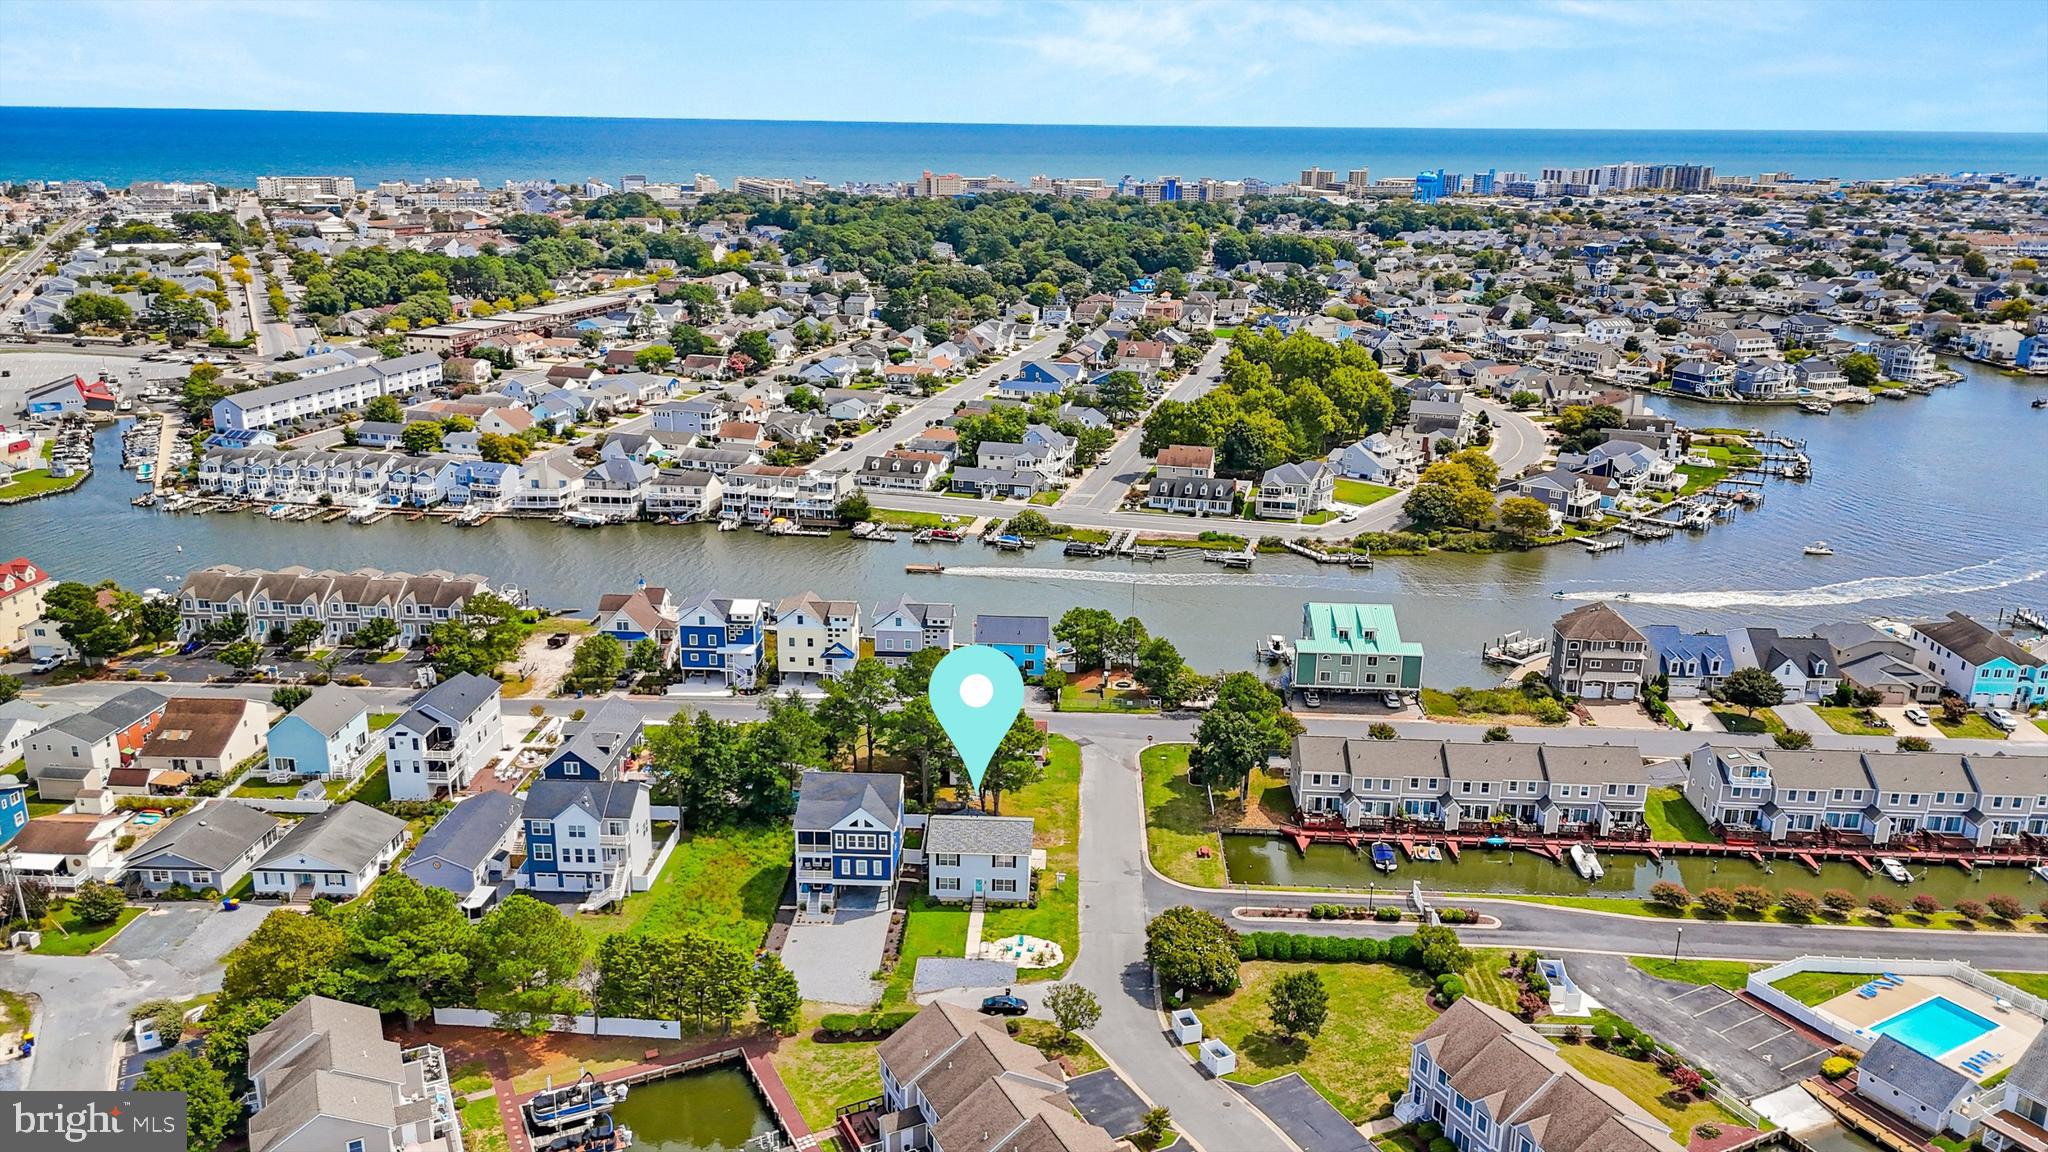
{"x":1750,"y":1049}
{"x":204,"y":663}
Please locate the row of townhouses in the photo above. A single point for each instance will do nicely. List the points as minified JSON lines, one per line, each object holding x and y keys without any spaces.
{"x":1598,"y":791}
{"x":1882,"y":797}
{"x":341,"y":601}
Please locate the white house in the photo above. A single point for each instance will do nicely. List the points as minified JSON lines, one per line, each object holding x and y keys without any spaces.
{"x":978,"y":858}
{"x":445,"y":738}
{"x":335,"y":853}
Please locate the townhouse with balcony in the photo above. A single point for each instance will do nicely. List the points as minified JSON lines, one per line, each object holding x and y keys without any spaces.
{"x":722,"y":638}
{"x":1596,"y":654}
{"x":448,"y":736}
{"x":323,"y":1078}
{"x":686,"y":494}
{"x":549,"y":485}
{"x":849,"y":839}
{"x":326,"y":394}
{"x":341,"y":601}
{"x":588,"y":834}
{"x":1495,"y":1085}
{"x":1916,"y":792}
{"x":1780,"y":795}
{"x":904,"y":627}
{"x":1983,"y":667}
{"x":1594,"y":791}
{"x":761,"y":493}
{"x":1354,"y":648}
{"x":815,"y":636}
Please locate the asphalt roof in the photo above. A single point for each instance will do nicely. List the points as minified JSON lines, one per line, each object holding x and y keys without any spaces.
{"x":329,"y":709}
{"x":215,"y":835}
{"x":826,"y":798}
{"x":349,"y":835}
{"x":979,"y":835}
{"x":471,"y":830}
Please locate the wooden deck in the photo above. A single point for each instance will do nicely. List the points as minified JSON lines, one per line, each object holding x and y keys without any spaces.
{"x":1757,"y":852}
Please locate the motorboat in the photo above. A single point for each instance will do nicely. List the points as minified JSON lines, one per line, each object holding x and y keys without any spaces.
{"x":1817,"y":407}
{"x":728,"y":525}
{"x":2041,"y":870}
{"x":1586,"y":863}
{"x":572,"y":1106}
{"x":1624,"y":596}
{"x":1895,"y":870}
{"x":581,"y":519}
{"x":278,"y":511}
{"x":1819,"y":548}
{"x":361,"y":513}
{"x":1383,"y":856}
{"x":1274,"y":650}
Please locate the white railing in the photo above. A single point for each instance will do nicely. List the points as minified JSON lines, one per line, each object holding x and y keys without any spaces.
{"x":1760,"y":986}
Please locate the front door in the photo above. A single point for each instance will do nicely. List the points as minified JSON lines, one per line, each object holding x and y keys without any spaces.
{"x":305,"y":879}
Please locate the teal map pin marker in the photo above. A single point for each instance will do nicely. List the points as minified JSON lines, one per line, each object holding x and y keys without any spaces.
{"x":976,"y":692}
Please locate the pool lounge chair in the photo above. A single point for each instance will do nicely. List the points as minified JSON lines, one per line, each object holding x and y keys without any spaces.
{"x":1892,"y":980}
{"x":1868,"y":991}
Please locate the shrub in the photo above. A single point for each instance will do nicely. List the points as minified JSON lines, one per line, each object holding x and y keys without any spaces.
{"x":1429,"y":1131}
{"x":1401,"y":950}
{"x":1604,"y":1033}
{"x":1970,"y":909}
{"x":1645,"y":1046}
{"x":1754,"y":899}
{"x":1450,"y":988}
{"x":1884,"y":905}
{"x":1386,"y":914}
{"x":1839,"y":901}
{"x":97,"y":903}
{"x":1915,"y":744}
{"x":1925,"y":905}
{"x":1381,"y":731}
{"x":1717,"y":901}
{"x":1836,"y":1067}
{"x":1498,"y":734}
{"x":1798,"y":904}
{"x":1670,"y":894}
{"x":1573,"y":1034}
{"x":2006,"y":908}
{"x":841,"y":1025}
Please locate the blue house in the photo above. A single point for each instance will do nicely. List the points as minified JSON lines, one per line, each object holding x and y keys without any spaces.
{"x":720,"y":638}
{"x":595,"y":747}
{"x":327,"y":736}
{"x":849,"y":839}
{"x":1058,"y":372}
{"x":591,"y":838}
{"x":1693,"y":663}
{"x":1026,"y":640}
{"x":13,"y":808}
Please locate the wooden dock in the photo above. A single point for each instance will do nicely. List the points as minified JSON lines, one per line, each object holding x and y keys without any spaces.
{"x":1552,"y":847}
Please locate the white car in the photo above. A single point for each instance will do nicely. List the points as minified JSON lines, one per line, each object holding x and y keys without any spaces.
{"x":2001,"y":719}
{"x":1917,"y":716}
{"x":1312,"y":698}
{"x":46,"y":664}
{"x":1391,"y":700}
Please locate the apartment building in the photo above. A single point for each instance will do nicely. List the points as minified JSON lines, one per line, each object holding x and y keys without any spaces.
{"x":762,"y":493}
{"x":1354,"y":648}
{"x":1881,"y":797}
{"x":327,"y":394}
{"x":1495,"y":1085}
{"x":1976,"y":663}
{"x":1597,"y":791}
{"x":341,"y":601}
{"x":1597,"y":655}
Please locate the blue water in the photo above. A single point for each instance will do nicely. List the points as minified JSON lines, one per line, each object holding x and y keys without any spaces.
{"x":1935,"y":1027}
{"x":120,"y":145}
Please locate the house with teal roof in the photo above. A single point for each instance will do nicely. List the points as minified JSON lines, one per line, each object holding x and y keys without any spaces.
{"x":1355,"y":648}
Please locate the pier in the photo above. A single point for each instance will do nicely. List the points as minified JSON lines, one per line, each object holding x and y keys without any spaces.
{"x":1809,"y":856}
{"x":1348,"y":559}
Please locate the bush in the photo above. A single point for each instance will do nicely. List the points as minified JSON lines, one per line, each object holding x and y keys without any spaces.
{"x":1716,"y":901}
{"x":1754,"y":899}
{"x":97,"y":903}
{"x":1836,"y":1067}
{"x":1573,"y":1034}
{"x":1645,"y":1046}
{"x":1798,"y":904}
{"x":1498,"y":734}
{"x":1925,"y":905}
{"x":1429,"y":1131}
{"x":1386,"y":914}
{"x":1670,"y":894}
{"x":1794,"y":739}
{"x":1604,"y":1033}
{"x":1915,"y":744}
{"x":1401,"y":950}
{"x":1970,"y":910}
{"x":842,"y":1025}
{"x":1839,"y":901}
{"x":2006,"y":908}
{"x":1450,"y":988}
{"x":1381,"y":731}
{"x":1884,"y":905}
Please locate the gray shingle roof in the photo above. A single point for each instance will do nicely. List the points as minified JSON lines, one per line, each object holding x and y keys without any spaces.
{"x":450,"y":701}
{"x":468,"y":833}
{"x":608,"y":799}
{"x":349,"y":836}
{"x":329,"y":709}
{"x":1013,"y":630}
{"x":1927,"y":1081}
{"x":826,"y":798}
{"x":979,"y":835}
{"x":213,"y":835}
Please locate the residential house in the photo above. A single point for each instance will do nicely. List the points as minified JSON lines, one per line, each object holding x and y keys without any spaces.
{"x":849,"y":839}
{"x":978,"y":858}
{"x":721,"y":638}
{"x":1978,"y":664}
{"x":13,"y":808}
{"x":646,"y":613}
{"x":1925,"y":1092}
{"x":690,"y":494}
{"x":815,"y":636}
{"x":899,"y":471}
{"x":334,"y":853}
{"x":1880,"y":660}
{"x":1000,"y":483}
{"x":448,"y":735}
{"x":1919,"y":792}
{"x":76,"y":754}
{"x":1354,"y":648}
{"x":1185,"y":462}
{"x":616,"y":489}
{"x":20,"y":719}
{"x":324,"y":1078}
{"x":1198,"y":497}
{"x":326,"y":737}
{"x":1377,"y":459}
{"x":1780,"y":794}
{"x":1026,"y":640}
{"x":2011,"y":799}
{"x":22,"y":585}
{"x":197,"y":738}
{"x":903,"y":627}
{"x":212,"y":846}
{"x":2019,"y":1118}
{"x":1805,"y":665}
{"x":1692,"y":664}
{"x":469,"y":850}
{"x":592,"y":837}
{"x":1907,"y":361}
{"x":1295,"y":491}
{"x":1596,"y":654}
{"x":763,"y":493}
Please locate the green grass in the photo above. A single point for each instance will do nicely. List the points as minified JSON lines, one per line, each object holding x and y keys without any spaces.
{"x":18,"y":768}
{"x":1362,"y":493}
{"x":1629,"y":906}
{"x":37,"y":482}
{"x":1642,"y":1082}
{"x":1812,"y":988}
{"x":1484,"y":982}
{"x":929,"y":929}
{"x":1848,"y":721}
{"x":1044,"y":1035}
{"x":382,"y":720}
{"x":481,"y":1129}
{"x":912,"y":521}
{"x":1047,"y":498}
{"x":1483,"y":704}
{"x":1054,"y":804}
{"x":1361,"y":1058}
{"x":1765,"y":721}
{"x":1323,"y":516}
{"x":725,"y":883}
{"x":1077,"y":699}
{"x":1698,"y":479}
{"x":373,"y":787}
{"x":82,"y":940}
{"x":1973,"y":727}
{"x":821,"y":1077}
{"x":1177,"y":821}
{"x":1731,"y":974}
{"x":14,"y":1012}
{"x":2042,"y":725}
{"x":471,"y":1077}
{"x":1672,"y":817}
{"x":2035,"y":983}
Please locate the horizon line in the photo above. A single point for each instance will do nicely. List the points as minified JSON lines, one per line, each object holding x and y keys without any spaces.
{"x":9,"y":107}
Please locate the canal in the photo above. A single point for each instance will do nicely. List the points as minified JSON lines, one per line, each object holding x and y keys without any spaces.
{"x":713,"y":1110}
{"x":1274,"y":861}
{"x":1929,"y":503}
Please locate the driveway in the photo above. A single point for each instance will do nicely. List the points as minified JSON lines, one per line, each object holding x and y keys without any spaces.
{"x":190,"y":937}
{"x":1310,"y":1121}
{"x":1104,"y":1100}
{"x":834,"y":961}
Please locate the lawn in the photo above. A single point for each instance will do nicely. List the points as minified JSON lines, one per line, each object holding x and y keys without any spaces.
{"x":1044,"y":1035}
{"x":913,"y":521}
{"x":1055,"y":804}
{"x":256,"y":787}
{"x":38,"y":482}
{"x":929,"y":929}
{"x":1851,"y":721}
{"x":2034,"y":983}
{"x":1642,"y":1082}
{"x":725,"y":883}
{"x":821,"y":1077}
{"x":1819,"y":987}
{"x":373,"y":787}
{"x":1731,"y":974}
{"x":18,"y":768}
{"x":1673,"y":818}
{"x":1177,"y":819}
{"x":2042,"y":725}
{"x":481,"y":1129}
{"x":1358,"y":1063}
{"x":1765,"y":721}
{"x":14,"y":1012}
{"x":1506,"y":706}
{"x":1973,"y":727}
{"x":1361,"y":493}
{"x":1484,"y":982}
{"x":1698,"y":479}
{"x":1074,"y":698}
{"x":82,"y":939}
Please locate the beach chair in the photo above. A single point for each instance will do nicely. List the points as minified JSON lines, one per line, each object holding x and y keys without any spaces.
{"x":1868,"y":992}
{"x":1894,"y":981}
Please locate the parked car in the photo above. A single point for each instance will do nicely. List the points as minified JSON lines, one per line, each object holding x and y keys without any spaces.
{"x":46,"y":664}
{"x":1004,"y":1005}
{"x":1312,"y":698}
{"x":1917,"y":716}
{"x":2001,"y":719}
{"x":558,"y":639}
{"x":1391,"y":700}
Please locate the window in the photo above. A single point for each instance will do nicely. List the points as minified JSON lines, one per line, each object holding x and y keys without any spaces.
{"x":1003,"y":885}
{"x":947,"y":860}
{"x":543,"y":851}
{"x":946,"y":884}
{"x":1005,"y":862}
{"x":541,"y":828}
{"x":355,"y":1146}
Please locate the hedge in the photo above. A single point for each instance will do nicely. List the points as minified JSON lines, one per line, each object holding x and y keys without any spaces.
{"x":840,"y":1025}
{"x":1299,"y":946}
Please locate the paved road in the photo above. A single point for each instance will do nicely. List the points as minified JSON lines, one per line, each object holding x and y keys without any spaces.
{"x":1103,"y":488}
{"x":920,"y":414}
{"x":21,"y":275}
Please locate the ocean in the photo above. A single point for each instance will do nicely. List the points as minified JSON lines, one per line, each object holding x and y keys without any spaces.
{"x":120,"y":145}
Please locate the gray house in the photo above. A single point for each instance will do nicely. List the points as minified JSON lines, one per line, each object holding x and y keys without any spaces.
{"x":469,"y":851}
{"x":336,"y":854}
{"x":978,"y":858}
{"x":212,"y":846}
{"x":904,"y":626}
{"x":1918,"y":1088}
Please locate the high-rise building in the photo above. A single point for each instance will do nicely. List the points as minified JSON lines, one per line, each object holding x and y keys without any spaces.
{"x":305,"y":187}
{"x":633,"y":182}
{"x":702,"y":184}
{"x":1429,"y":186}
{"x":1483,"y":183}
{"x":1317,"y":179}
{"x":1358,"y":181}
{"x":940,"y":184}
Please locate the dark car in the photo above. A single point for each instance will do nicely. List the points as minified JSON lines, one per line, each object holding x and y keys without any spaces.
{"x":558,"y":640}
{"x":1004,"y":1005}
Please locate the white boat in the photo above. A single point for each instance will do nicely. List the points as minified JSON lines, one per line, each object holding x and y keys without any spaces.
{"x":278,"y":512}
{"x":1586,"y":863}
{"x":361,"y":512}
{"x":728,"y":525}
{"x":1275,"y":649}
{"x":2041,"y":870}
{"x":1819,"y":548}
{"x":581,"y":519}
{"x":1895,"y":870}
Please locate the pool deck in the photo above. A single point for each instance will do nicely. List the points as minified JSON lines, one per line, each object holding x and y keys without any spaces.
{"x":2015,"y":1028}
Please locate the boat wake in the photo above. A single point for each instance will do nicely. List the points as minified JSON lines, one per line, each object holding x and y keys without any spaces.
{"x":1157,"y":579}
{"x":1988,"y":576}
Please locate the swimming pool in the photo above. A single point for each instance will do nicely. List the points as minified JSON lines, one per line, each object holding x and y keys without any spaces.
{"x":1934,"y":1027}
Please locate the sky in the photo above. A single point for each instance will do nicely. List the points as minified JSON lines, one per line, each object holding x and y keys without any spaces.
{"x":1955,"y":65}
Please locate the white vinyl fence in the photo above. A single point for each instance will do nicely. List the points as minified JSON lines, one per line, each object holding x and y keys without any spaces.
{"x":580,"y":1025}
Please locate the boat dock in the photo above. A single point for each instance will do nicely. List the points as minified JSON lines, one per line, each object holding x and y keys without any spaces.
{"x":1515,"y":649}
{"x":1348,"y":559}
{"x":1809,"y":856}
{"x":753,"y":1056}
